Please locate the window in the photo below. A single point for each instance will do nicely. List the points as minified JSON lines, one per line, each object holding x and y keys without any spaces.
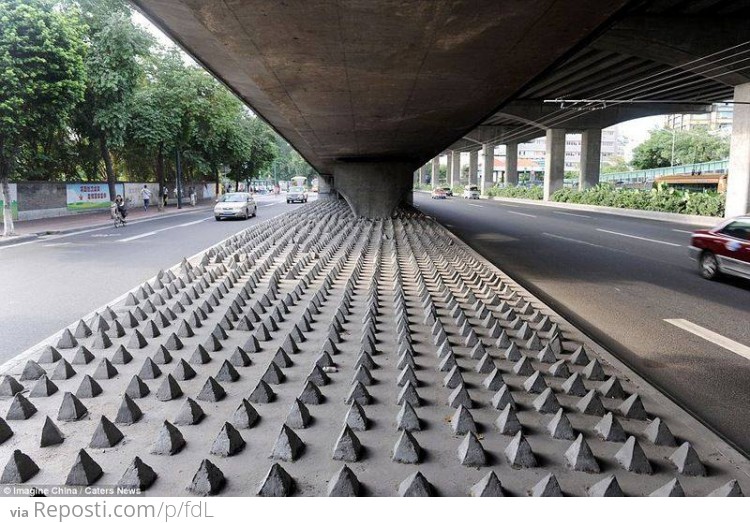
{"x":739,"y":229}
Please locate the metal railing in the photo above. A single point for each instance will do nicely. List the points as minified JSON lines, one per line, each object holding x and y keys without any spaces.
{"x":648,"y":175}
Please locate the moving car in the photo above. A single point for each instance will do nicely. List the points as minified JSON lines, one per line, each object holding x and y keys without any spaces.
{"x":448,"y":191}
{"x":235,"y":205}
{"x":438,"y":194}
{"x":296,"y":194}
{"x":472,"y":192}
{"x":725,"y":249}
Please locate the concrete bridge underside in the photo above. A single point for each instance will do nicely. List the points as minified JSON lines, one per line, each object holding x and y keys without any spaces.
{"x":367,"y":91}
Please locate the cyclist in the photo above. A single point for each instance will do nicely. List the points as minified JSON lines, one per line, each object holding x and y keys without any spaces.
{"x":120,"y":208}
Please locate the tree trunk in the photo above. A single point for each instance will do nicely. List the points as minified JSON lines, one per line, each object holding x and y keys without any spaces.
{"x":6,"y":170}
{"x":216,"y":177}
{"x":160,"y":172}
{"x":107,"y":157}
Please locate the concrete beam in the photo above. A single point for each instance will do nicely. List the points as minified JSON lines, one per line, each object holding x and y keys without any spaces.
{"x":554,"y":163}
{"x":591,"y":152}
{"x":511,"y":163}
{"x":374,"y":189}
{"x":738,"y":182}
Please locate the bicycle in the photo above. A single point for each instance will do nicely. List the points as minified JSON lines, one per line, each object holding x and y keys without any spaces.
{"x":117,"y":217}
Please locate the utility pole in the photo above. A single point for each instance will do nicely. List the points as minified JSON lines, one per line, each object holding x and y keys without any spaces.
{"x":178,"y":160}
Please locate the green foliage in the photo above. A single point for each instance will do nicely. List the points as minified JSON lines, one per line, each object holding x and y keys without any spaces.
{"x":694,"y":146}
{"x":458,"y":190}
{"x":661,"y":198}
{"x":526,"y":193}
{"x":616,"y":164}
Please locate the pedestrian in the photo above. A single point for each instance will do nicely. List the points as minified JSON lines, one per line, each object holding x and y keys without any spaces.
{"x":191,"y":194}
{"x":146,"y":194}
{"x":165,"y":195}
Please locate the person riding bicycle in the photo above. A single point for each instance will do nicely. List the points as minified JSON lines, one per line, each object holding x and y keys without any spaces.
{"x":120,"y":208}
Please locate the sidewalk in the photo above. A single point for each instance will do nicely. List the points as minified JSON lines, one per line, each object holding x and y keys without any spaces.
{"x":33,"y":229}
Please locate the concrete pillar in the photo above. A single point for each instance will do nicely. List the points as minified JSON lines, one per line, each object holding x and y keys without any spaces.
{"x":591,"y":153}
{"x":325,"y":186}
{"x":511,"y":163}
{"x":425,"y":172}
{"x":738,"y":181}
{"x":473,"y":166}
{"x":435,"y":171}
{"x":455,"y":168}
{"x":554,"y":162}
{"x":488,"y":151}
{"x":374,"y":189}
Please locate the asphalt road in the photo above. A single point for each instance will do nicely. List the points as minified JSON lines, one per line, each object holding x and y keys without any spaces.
{"x":50,"y":283}
{"x":619,"y":279}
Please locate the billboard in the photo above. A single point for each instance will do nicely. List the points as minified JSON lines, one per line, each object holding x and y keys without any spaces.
{"x":90,"y":196}
{"x":13,"y":201}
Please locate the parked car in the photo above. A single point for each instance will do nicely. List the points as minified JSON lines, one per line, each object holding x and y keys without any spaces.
{"x":235,"y":205}
{"x":472,"y":192}
{"x":438,"y":194}
{"x":725,"y":249}
{"x":448,"y":191}
{"x":296,"y":194}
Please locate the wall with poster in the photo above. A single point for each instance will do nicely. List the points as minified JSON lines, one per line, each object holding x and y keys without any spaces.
{"x":13,"y":201}
{"x":133,"y":193}
{"x":90,"y":196}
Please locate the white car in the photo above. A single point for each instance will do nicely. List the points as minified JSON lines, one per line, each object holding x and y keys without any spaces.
{"x":472,"y":192}
{"x":235,"y":205}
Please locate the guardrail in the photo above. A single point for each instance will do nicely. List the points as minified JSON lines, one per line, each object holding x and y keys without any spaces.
{"x":648,"y":175}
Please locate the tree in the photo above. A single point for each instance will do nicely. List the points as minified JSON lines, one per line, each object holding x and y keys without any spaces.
{"x":616,"y":164}
{"x":253,"y":148}
{"x":41,"y":80}
{"x":693,"y":146}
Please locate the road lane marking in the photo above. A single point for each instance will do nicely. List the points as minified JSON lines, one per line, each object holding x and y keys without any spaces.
{"x":147,"y":234}
{"x":507,"y":204}
{"x":269,"y":204}
{"x":711,"y":336}
{"x":523,"y":214}
{"x":57,"y":244}
{"x":683,"y":230}
{"x":193,"y":223}
{"x":475,"y":205}
{"x":572,"y":214}
{"x":573,"y":240}
{"x":640,"y":238}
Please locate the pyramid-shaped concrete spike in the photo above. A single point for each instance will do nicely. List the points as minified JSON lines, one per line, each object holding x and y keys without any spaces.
{"x":462,"y":422}
{"x":406,"y":360}
{"x":579,"y":357}
{"x":67,"y":340}
{"x":137,"y":388}
{"x":19,"y":469}
{"x":686,"y":461}
{"x":116,"y":330}
{"x":251,"y":345}
{"x":290,"y":346}
{"x":262,"y":333}
{"x":523,"y":367}
{"x":502,"y":398}
{"x":407,"y":418}
{"x":356,"y":417}
{"x":20,"y":408}
{"x":632,"y":458}
{"x":318,"y":376}
{"x":85,"y":471}
{"x":606,"y":488}
{"x":594,"y":371}
{"x":580,"y":457}
{"x":485,"y":365}
{"x":5,"y":431}
{"x":560,"y":428}
{"x":211,"y":391}
{"x":32,"y":371}
{"x":200,"y":356}
{"x":130,"y":321}
{"x":136,"y":341}
{"x":330,"y":347}
{"x":123,"y":357}
{"x":347,"y":447}
{"x":82,"y":357}
{"x":407,"y":449}
{"x":612,"y":388}
{"x":262,"y":393}
{"x":535,"y":383}
{"x":150,"y":330}
{"x":574,"y":386}
{"x":106,"y":435}
{"x":190,"y":413}
{"x":503,"y":341}
{"x":546,"y":402}
{"x":43,"y":388}
{"x":49,"y":355}
{"x":227,"y":373}
{"x":730,"y":489}
{"x":245,"y":416}
{"x":507,"y":422}
{"x":460,"y":396}
{"x":282,"y":359}
{"x":559,"y":369}
{"x":288,"y":446}
{"x":278,"y":483}
{"x":633,"y":408}
{"x":344,"y":484}
{"x":591,"y":404}
{"x":363,"y":375}
{"x":519,"y":453}
{"x":208,"y":480}
{"x":129,"y":412}
{"x":546,"y":355}
{"x":470,"y":452}
{"x":212,"y":344}
{"x":228,"y":442}
{"x":311,"y":394}
{"x":658,"y":433}
{"x":299,"y":416}
{"x":494,"y":381}
{"x":534,"y":343}
{"x":414,"y":486}
{"x":9,"y":387}
{"x":546,"y":487}
{"x":488,"y":486}
{"x":50,"y":435}
{"x":169,"y":389}
{"x":138,"y":475}
{"x":105,"y":370}
{"x":407,"y":376}
{"x":524,"y":332}
{"x":610,"y":429}
{"x":408,"y":393}
{"x":169,"y":441}
{"x":672,"y":489}
{"x":185,"y":330}
{"x":240,"y":358}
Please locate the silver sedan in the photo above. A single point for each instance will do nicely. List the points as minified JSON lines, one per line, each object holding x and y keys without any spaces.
{"x":235,"y":205}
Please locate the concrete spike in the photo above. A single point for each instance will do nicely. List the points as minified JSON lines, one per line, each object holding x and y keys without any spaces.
{"x":106,"y":435}
{"x":211,"y":391}
{"x":43,"y":388}
{"x":406,"y":360}
{"x":470,"y":452}
{"x":200,"y":356}
{"x":560,"y":428}
{"x":347,"y":447}
{"x":574,"y":386}
{"x":318,"y":376}
{"x":485,"y":365}
{"x":252,"y":346}
{"x":85,"y":471}
{"x":632,"y":458}
{"x":9,"y":387}
{"x":66,"y":341}
{"x":123,"y":357}
{"x":730,"y":489}
{"x":686,"y":461}
{"x":534,"y":343}
{"x":136,"y":341}
{"x":407,"y":449}
{"x":82,"y":357}
{"x":20,"y":408}
{"x":488,"y":486}
{"x":245,"y":416}
{"x":138,"y":475}
{"x":227,"y":372}
{"x":240,"y":358}
{"x":137,"y":388}
{"x":606,"y":488}
{"x":299,"y":416}
{"x":208,"y":480}
{"x":169,"y":441}
{"x":50,"y":435}
{"x":535,"y":383}
{"x":462,"y":421}
{"x":579,"y":357}
{"x":5,"y":431}
{"x":190,"y":413}
{"x":633,"y":408}
{"x":169,"y":389}
{"x":559,"y":369}
{"x":330,"y":347}
{"x":282,"y":359}
{"x":546,"y":402}
{"x":591,"y":404}
{"x":228,"y":442}
{"x":356,"y":417}
{"x":594,"y":371}
{"x":523,"y":367}
{"x":32,"y":371}
{"x":448,"y":362}
{"x":49,"y":355}
{"x":672,"y":489}
{"x":460,"y":396}
{"x":288,"y":446}
{"x":262,"y":393}
{"x":519,"y":453}
{"x":580,"y":457}
{"x":185,"y":330}
{"x":311,"y":394}
{"x":149,"y":370}
{"x":407,"y":418}
{"x":658,"y":433}
{"x":502,"y":398}
{"x":503,"y":341}
{"x":546,"y":487}
{"x":612,"y":388}
{"x":105,"y":370}
{"x":507,"y":422}
{"x":344,"y":484}
{"x":19,"y":469}
{"x":415,"y":486}
{"x":407,"y":376}
{"x":278,"y":483}
{"x":363,"y":375}
{"x":494,"y":381}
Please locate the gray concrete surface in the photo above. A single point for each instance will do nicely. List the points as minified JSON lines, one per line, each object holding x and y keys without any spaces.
{"x":401,"y":316}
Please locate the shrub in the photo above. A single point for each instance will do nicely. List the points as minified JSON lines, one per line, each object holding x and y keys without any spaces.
{"x":527,"y":193}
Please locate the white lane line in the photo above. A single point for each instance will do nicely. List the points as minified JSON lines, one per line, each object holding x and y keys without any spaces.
{"x":683,"y":230}
{"x":640,"y":238}
{"x":507,"y":204}
{"x":475,"y":205}
{"x":523,"y":214}
{"x":57,"y":244}
{"x":571,"y":214}
{"x":573,"y":240}
{"x":713,"y":337}
{"x":147,"y":234}
{"x":193,"y":223}
{"x":269,"y":204}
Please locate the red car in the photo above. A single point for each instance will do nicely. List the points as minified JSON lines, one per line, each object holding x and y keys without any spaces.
{"x":725,"y":249}
{"x":438,"y":194}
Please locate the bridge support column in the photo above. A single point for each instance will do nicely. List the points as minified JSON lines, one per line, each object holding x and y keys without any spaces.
{"x":425,"y":173}
{"x":554,"y":162}
{"x":591,"y":153}
{"x":374,"y":189}
{"x":473,"y":165}
{"x":738,"y":182}
{"x":488,"y":152}
{"x":435,"y":175}
{"x":455,"y":159}
{"x":511,"y":163}
{"x":325,"y":187}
